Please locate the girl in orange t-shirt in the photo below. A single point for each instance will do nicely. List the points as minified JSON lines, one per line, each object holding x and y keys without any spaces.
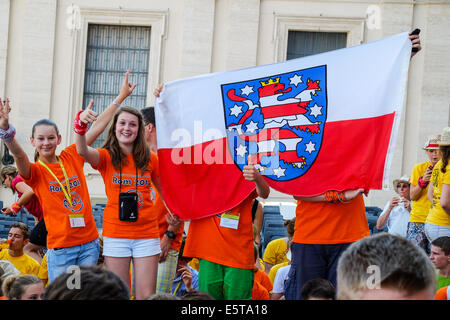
{"x":130,"y":226}
{"x":60,"y":185}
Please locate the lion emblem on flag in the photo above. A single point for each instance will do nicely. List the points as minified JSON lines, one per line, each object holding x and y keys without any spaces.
{"x":277,"y":122}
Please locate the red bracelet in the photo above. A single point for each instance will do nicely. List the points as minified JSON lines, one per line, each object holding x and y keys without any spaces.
{"x":79,"y":126}
{"x":15,"y":208}
{"x":422,"y":183}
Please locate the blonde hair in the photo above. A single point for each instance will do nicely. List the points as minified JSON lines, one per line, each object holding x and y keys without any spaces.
{"x":14,"y":286}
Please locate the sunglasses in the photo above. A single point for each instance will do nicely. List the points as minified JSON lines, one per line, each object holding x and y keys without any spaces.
{"x":403,"y":185}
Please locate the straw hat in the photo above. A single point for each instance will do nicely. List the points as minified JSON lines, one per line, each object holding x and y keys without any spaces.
{"x":432,"y":142}
{"x":445,"y":137}
{"x":404,"y":179}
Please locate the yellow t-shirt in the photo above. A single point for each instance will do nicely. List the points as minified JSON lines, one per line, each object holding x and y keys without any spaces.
{"x":421,"y":206}
{"x":25,"y":264}
{"x":43,"y":271}
{"x":437,"y":215}
{"x":274,"y":269}
{"x":275,"y":252}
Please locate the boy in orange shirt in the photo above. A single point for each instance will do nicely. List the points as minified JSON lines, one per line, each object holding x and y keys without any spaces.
{"x":225,"y":248}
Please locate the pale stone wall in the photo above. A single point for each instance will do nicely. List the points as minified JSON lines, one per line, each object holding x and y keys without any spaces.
{"x":42,"y":60}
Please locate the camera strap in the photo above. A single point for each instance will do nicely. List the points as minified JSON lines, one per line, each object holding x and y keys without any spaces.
{"x":120,"y":179}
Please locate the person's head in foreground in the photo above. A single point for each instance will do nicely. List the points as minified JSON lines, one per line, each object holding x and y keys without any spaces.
{"x":385,"y":267}
{"x":87,"y":283}
{"x":318,"y":289}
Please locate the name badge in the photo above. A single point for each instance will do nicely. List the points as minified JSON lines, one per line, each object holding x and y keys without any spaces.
{"x":228,"y":220}
{"x":76,"y":220}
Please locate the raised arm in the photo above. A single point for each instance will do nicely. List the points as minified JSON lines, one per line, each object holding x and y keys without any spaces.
{"x":80,"y":125}
{"x":250,"y":173}
{"x":100,"y":123}
{"x":346,"y":195}
{"x":7,"y":134}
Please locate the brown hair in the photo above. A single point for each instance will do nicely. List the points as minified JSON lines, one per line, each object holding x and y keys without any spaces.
{"x":290,"y":227}
{"x":445,"y":153}
{"x":42,"y":122}
{"x":22,"y":226}
{"x":14,"y":286}
{"x":141,"y":152}
{"x":9,"y":171}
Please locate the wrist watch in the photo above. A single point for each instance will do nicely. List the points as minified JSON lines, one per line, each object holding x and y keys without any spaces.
{"x":170,"y":234}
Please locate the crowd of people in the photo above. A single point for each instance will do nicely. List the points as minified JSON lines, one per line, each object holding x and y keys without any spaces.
{"x":144,"y":252}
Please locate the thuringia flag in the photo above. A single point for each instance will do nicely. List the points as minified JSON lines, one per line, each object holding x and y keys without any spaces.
{"x":309,"y":125}
{"x":278,"y":121}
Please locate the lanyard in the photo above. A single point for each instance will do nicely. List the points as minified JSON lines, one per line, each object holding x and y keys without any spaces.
{"x":66,"y":192}
{"x":176,"y":289}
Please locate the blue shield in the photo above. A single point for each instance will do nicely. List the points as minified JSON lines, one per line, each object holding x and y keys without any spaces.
{"x":277,"y":122}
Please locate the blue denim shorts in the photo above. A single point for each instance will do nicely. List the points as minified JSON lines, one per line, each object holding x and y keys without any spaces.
{"x":58,"y":260}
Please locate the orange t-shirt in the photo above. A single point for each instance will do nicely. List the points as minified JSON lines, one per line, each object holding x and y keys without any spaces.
{"x":441,"y":294}
{"x":330,"y":223}
{"x":207,"y":240}
{"x":261,"y":286}
{"x":54,"y":204}
{"x":161,"y":210}
{"x":146,"y":226}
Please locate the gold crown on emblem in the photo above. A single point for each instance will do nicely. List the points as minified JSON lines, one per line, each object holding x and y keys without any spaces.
{"x":270,"y":81}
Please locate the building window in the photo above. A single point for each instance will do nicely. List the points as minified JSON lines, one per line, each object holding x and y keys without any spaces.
{"x":306,"y":43}
{"x":111,"y":51}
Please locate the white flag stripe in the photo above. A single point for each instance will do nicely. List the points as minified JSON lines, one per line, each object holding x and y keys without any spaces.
{"x":354,"y":89}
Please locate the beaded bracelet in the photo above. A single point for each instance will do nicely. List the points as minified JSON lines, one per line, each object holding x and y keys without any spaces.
{"x":8,"y":135}
{"x":334,"y":196}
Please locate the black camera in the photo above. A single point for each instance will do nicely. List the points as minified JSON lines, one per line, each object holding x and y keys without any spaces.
{"x":128,"y":206}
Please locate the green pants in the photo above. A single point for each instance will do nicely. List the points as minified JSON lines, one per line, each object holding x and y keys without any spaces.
{"x":225,"y":283}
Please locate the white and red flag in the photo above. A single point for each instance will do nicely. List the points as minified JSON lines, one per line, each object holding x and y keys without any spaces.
{"x":313,"y":124}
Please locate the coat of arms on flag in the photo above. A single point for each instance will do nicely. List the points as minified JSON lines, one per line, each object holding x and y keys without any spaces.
{"x":277,"y":122}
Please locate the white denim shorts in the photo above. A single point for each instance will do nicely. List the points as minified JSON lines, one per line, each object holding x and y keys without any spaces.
{"x":136,"y":248}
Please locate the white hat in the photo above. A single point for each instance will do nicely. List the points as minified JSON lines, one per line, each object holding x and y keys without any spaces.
{"x":404,"y":179}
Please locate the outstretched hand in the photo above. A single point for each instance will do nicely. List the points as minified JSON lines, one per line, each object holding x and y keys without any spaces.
{"x":88,"y":115}
{"x":158,"y":90}
{"x":352,"y":194}
{"x":4,"y":114}
{"x":415,"y":41}
{"x":127,"y":87}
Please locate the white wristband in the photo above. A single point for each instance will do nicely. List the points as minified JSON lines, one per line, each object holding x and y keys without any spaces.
{"x":116,"y":103}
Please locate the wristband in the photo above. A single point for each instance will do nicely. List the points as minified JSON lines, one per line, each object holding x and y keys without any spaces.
{"x":334,"y":196}
{"x":15,"y":208}
{"x":79,"y":126}
{"x":8,"y":135}
{"x":116,"y":103}
{"x":422,"y":183}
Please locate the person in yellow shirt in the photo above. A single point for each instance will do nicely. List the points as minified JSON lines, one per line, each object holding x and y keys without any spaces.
{"x":437,"y":223}
{"x":419,"y":182}
{"x":19,"y":235}
{"x":276,"y":250}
